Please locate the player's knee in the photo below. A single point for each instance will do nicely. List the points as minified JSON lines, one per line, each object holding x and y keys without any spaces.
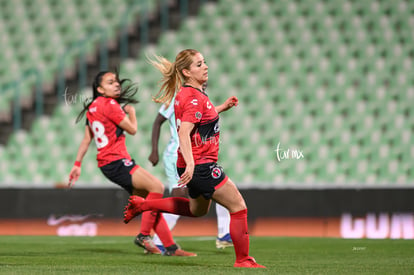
{"x":237,"y":206}
{"x":179,"y":192}
{"x":156,"y":187}
{"x":160,"y":188}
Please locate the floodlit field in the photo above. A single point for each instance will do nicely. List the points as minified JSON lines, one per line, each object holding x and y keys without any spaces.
{"x":118,"y":255}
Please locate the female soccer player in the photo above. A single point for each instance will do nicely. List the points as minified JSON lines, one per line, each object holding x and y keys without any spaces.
{"x":223,"y":239}
{"x":198,"y":129}
{"x":106,"y":123}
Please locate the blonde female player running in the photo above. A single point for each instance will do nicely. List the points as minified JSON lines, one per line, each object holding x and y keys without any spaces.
{"x":170,"y":155}
{"x":197,"y":121}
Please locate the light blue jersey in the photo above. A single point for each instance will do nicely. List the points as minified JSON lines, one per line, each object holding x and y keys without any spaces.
{"x":170,"y":152}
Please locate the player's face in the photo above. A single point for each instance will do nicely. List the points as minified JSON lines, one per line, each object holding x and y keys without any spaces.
{"x":110,"y":86}
{"x":198,"y":71}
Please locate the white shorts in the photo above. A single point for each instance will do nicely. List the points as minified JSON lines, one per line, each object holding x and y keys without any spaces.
{"x":170,"y":167}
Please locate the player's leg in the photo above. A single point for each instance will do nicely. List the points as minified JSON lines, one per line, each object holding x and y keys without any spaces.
{"x":229,"y":196}
{"x":124,"y":173}
{"x":171,"y":219}
{"x":223,"y":239}
{"x":143,"y":180}
{"x":169,"y":161}
{"x":200,"y":206}
{"x":179,"y":206}
{"x":146,"y":185}
{"x":206,"y":178}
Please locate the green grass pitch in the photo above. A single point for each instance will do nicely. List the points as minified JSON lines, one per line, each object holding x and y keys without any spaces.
{"x":118,"y":255}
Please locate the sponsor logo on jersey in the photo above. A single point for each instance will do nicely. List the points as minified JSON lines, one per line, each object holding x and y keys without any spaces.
{"x":208,"y":105}
{"x":194,"y":102}
{"x":217,"y":127}
{"x":92,"y":110}
{"x":113,"y":101}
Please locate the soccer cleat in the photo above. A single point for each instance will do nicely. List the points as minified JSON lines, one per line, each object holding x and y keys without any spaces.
{"x":224,"y":241}
{"x":147,"y":243}
{"x":175,"y":250}
{"x":161,"y":248}
{"x":133,"y":208}
{"x":250,"y":262}
{"x":179,"y":252}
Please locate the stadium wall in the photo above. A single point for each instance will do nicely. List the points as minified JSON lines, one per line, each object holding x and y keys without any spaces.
{"x":365,"y":213}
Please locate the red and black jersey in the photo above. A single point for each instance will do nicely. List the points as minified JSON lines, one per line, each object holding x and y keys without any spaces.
{"x":104,"y":116}
{"x":192,"y":105}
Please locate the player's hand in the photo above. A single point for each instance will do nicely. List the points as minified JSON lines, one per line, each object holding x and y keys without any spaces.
{"x":186,"y":176}
{"x":230,"y":102}
{"x":153,"y":158}
{"x":129,"y":109}
{"x":74,"y":175}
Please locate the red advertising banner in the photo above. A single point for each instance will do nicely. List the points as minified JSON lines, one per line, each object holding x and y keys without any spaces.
{"x":373,"y":226}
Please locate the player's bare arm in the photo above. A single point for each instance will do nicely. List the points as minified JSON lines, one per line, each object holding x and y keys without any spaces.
{"x":228,"y":104}
{"x":186,"y":151}
{"x":129,"y":123}
{"x":83,"y":148}
{"x":156,"y":128}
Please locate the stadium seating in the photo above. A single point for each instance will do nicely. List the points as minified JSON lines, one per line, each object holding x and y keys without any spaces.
{"x":331,"y":79}
{"x":29,"y":42}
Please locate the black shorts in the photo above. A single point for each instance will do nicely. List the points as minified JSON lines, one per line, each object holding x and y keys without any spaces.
{"x":207,"y":178}
{"x":120,"y":172}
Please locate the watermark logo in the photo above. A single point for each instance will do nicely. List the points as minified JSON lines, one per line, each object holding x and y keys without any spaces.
{"x":74,"y":98}
{"x":289,"y":153}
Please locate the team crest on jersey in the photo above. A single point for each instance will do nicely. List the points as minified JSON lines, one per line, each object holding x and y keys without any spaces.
{"x":198,"y":115}
{"x":127,"y":162}
{"x":216,"y":173}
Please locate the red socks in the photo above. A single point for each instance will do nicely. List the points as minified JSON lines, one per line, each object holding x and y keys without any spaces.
{"x":239,"y":234}
{"x":173,"y":205}
{"x":163,"y":231}
{"x":154,"y":219}
{"x":148,"y":218}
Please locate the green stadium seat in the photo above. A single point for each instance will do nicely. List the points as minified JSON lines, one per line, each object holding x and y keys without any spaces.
{"x":328,"y":77}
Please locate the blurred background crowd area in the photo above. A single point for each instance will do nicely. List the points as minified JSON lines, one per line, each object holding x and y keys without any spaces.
{"x":332,"y":79}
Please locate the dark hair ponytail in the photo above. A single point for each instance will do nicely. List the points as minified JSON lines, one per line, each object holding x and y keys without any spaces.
{"x":127,"y":93}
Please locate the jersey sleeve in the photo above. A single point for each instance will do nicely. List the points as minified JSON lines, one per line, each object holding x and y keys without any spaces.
{"x":192,"y":109}
{"x":114,"y":112}
{"x":167,"y":112}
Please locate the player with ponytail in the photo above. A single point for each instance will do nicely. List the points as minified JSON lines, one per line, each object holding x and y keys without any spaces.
{"x":106,"y":122}
{"x":197,"y":121}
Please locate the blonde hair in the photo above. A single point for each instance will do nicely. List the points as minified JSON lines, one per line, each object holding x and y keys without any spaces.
{"x":172,"y":72}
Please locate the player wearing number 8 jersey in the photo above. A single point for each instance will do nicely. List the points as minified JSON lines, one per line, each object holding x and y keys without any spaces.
{"x":106,"y":123}
{"x":104,"y":115}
